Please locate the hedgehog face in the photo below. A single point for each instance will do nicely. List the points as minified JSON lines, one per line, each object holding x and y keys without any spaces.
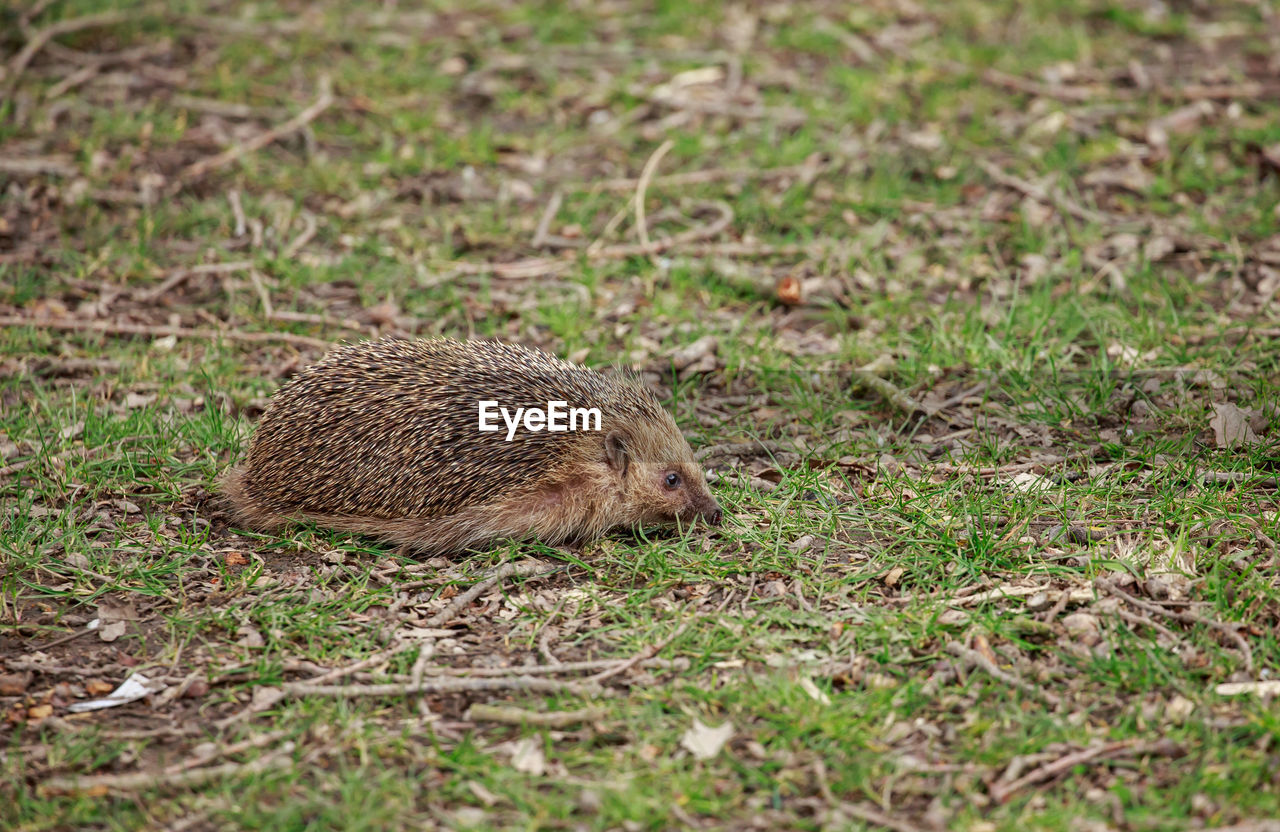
{"x":661,"y":491}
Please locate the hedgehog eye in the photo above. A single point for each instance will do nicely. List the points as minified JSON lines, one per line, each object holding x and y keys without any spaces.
{"x":673,"y":480}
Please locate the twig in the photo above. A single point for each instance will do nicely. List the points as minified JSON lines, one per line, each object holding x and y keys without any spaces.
{"x":648,"y":653}
{"x":642,"y":185}
{"x":196,"y":170}
{"x":1060,"y":201}
{"x":158,"y":331}
{"x":877,"y":817}
{"x":1001,"y":792}
{"x":524,"y":569}
{"x":1064,"y":598}
{"x":481,"y":712}
{"x":1134,"y":618}
{"x":305,"y":236}
{"x":226,"y":751}
{"x":263,"y":295}
{"x":162,"y":780}
{"x":977,"y":659}
{"x":1184,"y":617}
{"x":542,"y":266}
{"x":443,"y":686}
{"x":39,"y":38}
{"x":425,"y":652}
{"x":703,"y":177}
{"x":181,"y":275}
{"x":36,"y":166}
{"x":237,"y":212}
{"x":290,"y":316}
{"x":761,"y":446}
{"x":868,"y":376}
{"x":653,"y":650}
{"x":548,"y":214}
{"x":544,"y":669}
{"x":864,"y":813}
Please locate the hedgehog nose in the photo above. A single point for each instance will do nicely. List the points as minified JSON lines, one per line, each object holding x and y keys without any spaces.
{"x":715,"y":516}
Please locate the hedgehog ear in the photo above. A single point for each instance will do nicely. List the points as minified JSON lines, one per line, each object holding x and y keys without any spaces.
{"x":615,"y":452}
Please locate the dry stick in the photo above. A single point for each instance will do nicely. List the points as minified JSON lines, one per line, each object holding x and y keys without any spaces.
{"x":441,"y":686}
{"x":154,"y":780}
{"x":41,"y":37}
{"x":37,"y":9}
{"x":198,"y":169}
{"x":868,"y":376}
{"x":1060,"y":201}
{"x":548,"y":214}
{"x":263,"y":295}
{"x":540,"y":266}
{"x":237,"y":211}
{"x":764,"y":446}
{"x":877,"y":817}
{"x":1184,"y":617}
{"x":977,"y":659}
{"x":180,"y":276}
{"x":519,"y":716}
{"x":226,"y":751}
{"x":864,"y":813}
{"x":109,"y":328}
{"x":654,"y":649}
{"x":648,"y":653}
{"x":305,"y":236}
{"x":702,"y":177}
{"x":1002,"y":792}
{"x":425,"y":652}
{"x":540,"y":669}
{"x":642,"y":185}
{"x":36,"y":166}
{"x":523,"y":569}
{"x":1134,"y":618}
{"x":609,"y":228}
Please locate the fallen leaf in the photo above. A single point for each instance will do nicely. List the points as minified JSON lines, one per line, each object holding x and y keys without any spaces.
{"x":789,"y":291}
{"x":527,"y":756}
{"x":14,"y":684}
{"x":111,"y":610}
{"x":1231,"y":426}
{"x":97,"y":687}
{"x":704,"y":742}
{"x":236,"y":559}
{"x":111,"y":631}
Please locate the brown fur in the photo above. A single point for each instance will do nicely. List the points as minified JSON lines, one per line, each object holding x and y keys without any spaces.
{"x":381,"y":438}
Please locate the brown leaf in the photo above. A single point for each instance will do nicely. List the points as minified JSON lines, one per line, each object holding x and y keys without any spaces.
{"x":789,"y":291}
{"x":98,"y":687}
{"x":14,"y":684}
{"x":1231,"y":426}
{"x":112,"y":610}
{"x":236,"y":559}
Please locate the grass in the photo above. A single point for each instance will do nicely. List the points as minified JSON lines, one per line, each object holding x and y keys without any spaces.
{"x":818,"y":621}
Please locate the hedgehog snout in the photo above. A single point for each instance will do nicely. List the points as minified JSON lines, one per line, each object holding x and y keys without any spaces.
{"x":708,"y":510}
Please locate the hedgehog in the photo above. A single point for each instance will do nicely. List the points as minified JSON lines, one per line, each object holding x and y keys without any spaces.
{"x":413,"y":442}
